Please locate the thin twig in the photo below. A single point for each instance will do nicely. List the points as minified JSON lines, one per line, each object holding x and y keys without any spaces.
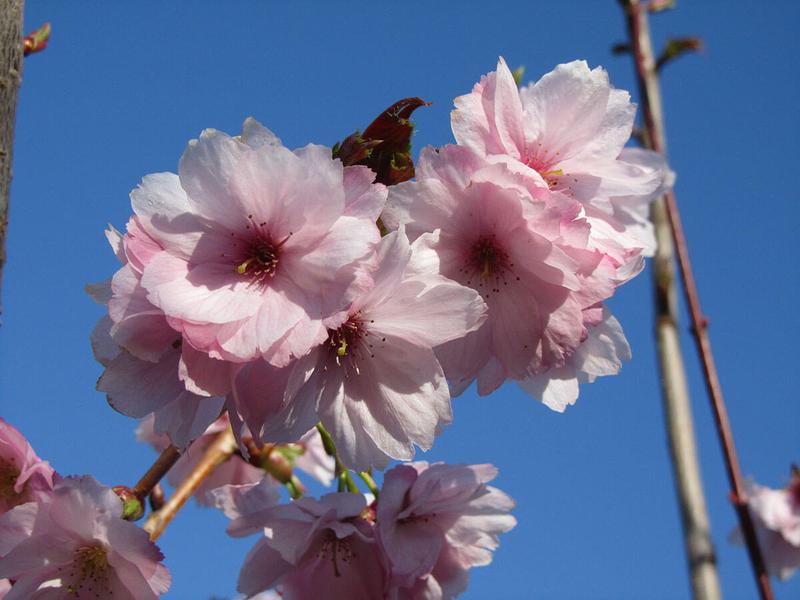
{"x":221,"y":449}
{"x":651,"y":103}
{"x":156,"y":472}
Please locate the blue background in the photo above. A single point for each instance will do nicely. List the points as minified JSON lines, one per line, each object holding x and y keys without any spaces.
{"x":123,"y":86}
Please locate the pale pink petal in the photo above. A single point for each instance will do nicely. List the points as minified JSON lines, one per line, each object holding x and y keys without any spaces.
{"x":205,"y":293}
{"x":203,"y":375}
{"x":400,"y":400}
{"x":490,"y":119}
{"x":363,"y":198}
{"x":254,"y":134}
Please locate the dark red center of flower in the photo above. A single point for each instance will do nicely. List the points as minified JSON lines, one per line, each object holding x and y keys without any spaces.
{"x":336,"y":550}
{"x":487,"y":267}
{"x":353,"y":342}
{"x":259,"y":256}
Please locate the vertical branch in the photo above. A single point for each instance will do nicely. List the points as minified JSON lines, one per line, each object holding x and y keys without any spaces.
{"x":667,"y":222}
{"x":677,"y":408}
{"x":10,"y":78}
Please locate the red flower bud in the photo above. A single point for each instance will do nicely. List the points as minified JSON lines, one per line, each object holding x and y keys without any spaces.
{"x":385,"y":145}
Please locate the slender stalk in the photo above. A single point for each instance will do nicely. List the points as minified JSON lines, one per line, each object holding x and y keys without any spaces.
{"x":366,"y":477}
{"x":10,"y":79}
{"x":678,"y":419}
{"x":345,"y":481}
{"x":221,"y":449}
{"x":156,"y":472}
{"x":666,"y":213}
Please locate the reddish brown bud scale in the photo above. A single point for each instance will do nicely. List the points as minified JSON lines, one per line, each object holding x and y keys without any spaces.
{"x":385,"y":145}
{"x":36,"y":41}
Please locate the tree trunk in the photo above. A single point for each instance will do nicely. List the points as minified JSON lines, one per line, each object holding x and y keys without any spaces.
{"x":10,"y":78}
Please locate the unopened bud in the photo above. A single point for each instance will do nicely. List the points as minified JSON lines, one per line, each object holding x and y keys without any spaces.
{"x":132,"y":507}
{"x":36,"y":41}
{"x":385,"y":146}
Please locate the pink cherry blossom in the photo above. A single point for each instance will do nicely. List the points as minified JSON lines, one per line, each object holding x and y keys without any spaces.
{"x":437,"y":521}
{"x":260,"y":243}
{"x":376,"y":384}
{"x":313,"y":548}
{"x":777,"y":520}
{"x":566,"y":134}
{"x":527,"y":256}
{"x":79,"y":547}
{"x":148,"y":367}
{"x":24,"y":477}
{"x":601,"y":353}
{"x":137,"y":387}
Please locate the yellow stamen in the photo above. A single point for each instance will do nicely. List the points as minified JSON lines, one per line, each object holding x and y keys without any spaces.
{"x":556,"y":172}
{"x":242,"y":268}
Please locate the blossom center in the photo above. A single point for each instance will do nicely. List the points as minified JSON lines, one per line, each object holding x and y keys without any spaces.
{"x":344,"y":340}
{"x":8,"y":480}
{"x":89,"y":571}
{"x":263,"y":260}
{"x":542,"y":161}
{"x":353,"y":342}
{"x":336,"y":551}
{"x":487,"y":266}
{"x":261,"y":255}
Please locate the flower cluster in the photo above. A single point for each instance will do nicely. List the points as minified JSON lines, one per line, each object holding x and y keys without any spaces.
{"x":541,"y":210}
{"x":429,"y":526}
{"x":64,"y":538}
{"x":777,"y":520}
{"x":284,"y":292}
{"x":256,"y":280}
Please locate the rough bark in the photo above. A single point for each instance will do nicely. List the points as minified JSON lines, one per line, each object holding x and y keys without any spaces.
{"x":10,"y":79}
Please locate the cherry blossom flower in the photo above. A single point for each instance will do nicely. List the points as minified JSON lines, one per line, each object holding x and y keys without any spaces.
{"x":376,"y":384}
{"x":260,"y":243}
{"x":601,"y":353}
{"x":565,"y":133}
{"x":437,"y":521}
{"x":526,"y":256}
{"x":149,"y":370}
{"x":313,"y":548}
{"x":79,"y":547}
{"x":777,"y":520}
{"x":24,"y":477}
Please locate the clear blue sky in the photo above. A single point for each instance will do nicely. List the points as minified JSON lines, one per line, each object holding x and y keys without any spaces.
{"x":123,"y":86}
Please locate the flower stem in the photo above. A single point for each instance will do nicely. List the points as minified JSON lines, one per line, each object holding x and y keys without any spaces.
{"x":156,"y":472}
{"x":345,"y":481}
{"x":221,"y":449}
{"x":366,"y":477}
{"x":666,"y":214}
